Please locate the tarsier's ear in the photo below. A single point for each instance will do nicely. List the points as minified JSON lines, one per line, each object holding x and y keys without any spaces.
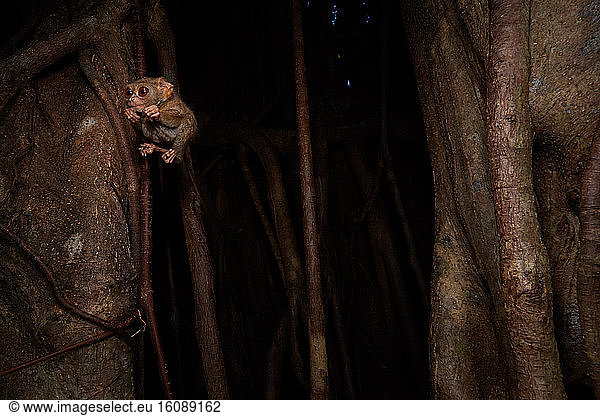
{"x":165,"y":88}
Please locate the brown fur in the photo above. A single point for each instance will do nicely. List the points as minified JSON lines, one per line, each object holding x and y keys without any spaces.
{"x":169,"y":127}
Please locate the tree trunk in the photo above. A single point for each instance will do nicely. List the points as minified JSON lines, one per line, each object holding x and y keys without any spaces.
{"x":507,"y":162}
{"x":69,"y":194}
{"x":207,"y":331}
{"x":525,"y":272}
{"x":319,"y":384}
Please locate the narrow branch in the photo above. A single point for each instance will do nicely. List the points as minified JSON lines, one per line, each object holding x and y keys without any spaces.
{"x":275,"y":359}
{"x":260,"y":209}
{"x":329,"y":275}
{"x":316,"y":320}
{"x":56,"y":289}
{"x":207,"y":330}
{"x":92,"y":340}
{"x":145,"y":207}
{"x":286,"y":238}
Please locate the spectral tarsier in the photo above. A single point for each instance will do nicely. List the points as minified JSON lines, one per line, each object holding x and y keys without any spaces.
{"x":161,"y":116}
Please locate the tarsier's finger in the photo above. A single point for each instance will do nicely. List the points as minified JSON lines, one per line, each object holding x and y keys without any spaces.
{"x":152,"y":112}
{"x":133,"y":117}
{"x":151,"y":109}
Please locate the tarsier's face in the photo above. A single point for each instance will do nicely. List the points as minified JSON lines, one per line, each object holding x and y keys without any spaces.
{"x":148,"y":91}
{"x":140,"y":94}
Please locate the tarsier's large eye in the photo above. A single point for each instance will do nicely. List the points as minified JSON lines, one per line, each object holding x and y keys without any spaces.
{"x":128,"y":92}
{"x":142,"y":91}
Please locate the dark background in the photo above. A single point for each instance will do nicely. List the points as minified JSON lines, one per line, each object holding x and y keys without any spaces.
{"x":235,"y":64}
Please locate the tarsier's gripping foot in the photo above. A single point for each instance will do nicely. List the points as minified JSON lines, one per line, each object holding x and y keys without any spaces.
{"x":168,"y":155}
{"x":147,"y":148}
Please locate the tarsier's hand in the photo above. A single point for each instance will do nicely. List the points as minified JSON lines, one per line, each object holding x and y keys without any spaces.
{"x":169,"y":156}
{"x":146,"y":149}
{"x":131,"y":114}
{"x":151,"y":111}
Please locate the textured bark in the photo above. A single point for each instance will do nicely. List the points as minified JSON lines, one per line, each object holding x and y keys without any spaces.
{"x":275,"y":360}
{"x":588,"y":273}
{"x":49,"y":48}
{"x":73,"y":347}
{"x":582,"y":145}
{"x":467,"y":362}
{"x":541,"y":57}
{"x":327,"y":259}
{"x":68,"y":184}
{"x":524,"y":262}
{"x":124,"y":144}
{"x":319,"y":383}
{"x":207,"y":330}
{"x":57,"y":289}
{"x":450,"y":77}
{"x":561,"y":232}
